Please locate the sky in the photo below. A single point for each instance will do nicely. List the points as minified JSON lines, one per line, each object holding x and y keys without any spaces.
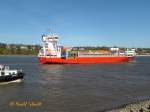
{"x":124,"y":23}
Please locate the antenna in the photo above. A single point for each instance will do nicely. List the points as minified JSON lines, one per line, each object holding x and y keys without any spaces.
{"x":50,"y":31}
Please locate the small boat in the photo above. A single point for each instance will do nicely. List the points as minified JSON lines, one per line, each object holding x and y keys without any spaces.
{"x":8,"y":75}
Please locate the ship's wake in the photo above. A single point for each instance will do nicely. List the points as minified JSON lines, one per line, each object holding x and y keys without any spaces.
{"x":15,"y":81}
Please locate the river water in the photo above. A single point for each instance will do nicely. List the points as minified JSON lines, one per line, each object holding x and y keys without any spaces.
{"x":74,"y":87}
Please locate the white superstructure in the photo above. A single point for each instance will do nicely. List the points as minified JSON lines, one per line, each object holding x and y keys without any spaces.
{"x":50,"y":46}
{"x":130,"y":52}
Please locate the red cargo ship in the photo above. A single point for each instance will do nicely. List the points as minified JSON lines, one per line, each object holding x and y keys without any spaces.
{"x":51,"y":53}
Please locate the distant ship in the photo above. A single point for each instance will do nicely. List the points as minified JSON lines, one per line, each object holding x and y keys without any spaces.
{"x":51,"y":53}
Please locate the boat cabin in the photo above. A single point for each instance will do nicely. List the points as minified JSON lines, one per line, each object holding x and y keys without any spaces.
{"x":4,"y":71}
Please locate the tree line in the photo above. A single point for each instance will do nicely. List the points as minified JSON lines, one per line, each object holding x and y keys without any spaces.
{"x":22,"y":49}
{"x":18,"y":49}
{"x":139,"y":51}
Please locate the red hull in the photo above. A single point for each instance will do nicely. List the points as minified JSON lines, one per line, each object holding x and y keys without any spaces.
{"x":84,"y":60}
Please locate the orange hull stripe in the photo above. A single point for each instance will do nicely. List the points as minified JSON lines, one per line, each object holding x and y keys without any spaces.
{"x":83,"y":60}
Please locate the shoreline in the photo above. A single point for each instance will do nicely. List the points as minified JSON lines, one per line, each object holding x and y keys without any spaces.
{"x":36,"y":55}
{"x":18,"y":55}
{"x":139,"y":106}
